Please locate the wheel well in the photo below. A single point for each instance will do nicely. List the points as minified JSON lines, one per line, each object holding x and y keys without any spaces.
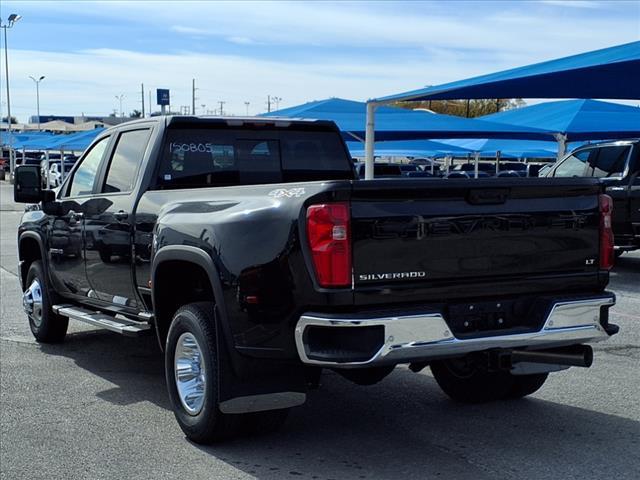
{"x":177,"y":283}
{"x":29,"y":251}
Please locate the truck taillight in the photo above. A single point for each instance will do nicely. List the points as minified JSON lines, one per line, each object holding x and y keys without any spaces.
{"x":329,"y":235}
{"x":606,"y":232}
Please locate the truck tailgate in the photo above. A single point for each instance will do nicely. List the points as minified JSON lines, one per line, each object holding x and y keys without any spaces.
{"x":436,"y":232}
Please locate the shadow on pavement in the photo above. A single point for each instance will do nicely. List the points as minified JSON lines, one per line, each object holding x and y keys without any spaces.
{"x":135,"y":365}
{"x":403,"y":427}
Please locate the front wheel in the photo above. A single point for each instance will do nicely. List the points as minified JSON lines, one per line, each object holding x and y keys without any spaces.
{"x":46,"y":326}
{"x":193,"y":379}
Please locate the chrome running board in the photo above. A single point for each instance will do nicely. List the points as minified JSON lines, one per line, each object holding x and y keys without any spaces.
{"x":119,"y":324}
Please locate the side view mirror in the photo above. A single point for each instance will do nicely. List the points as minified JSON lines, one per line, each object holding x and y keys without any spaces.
{"x":27,"y":184}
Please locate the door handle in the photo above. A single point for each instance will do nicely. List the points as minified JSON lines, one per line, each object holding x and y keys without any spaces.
{"x":121,"y":215}
{"x":75,"y":216}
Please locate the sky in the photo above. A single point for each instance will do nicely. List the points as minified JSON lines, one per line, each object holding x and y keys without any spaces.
{"x":91,"y":52}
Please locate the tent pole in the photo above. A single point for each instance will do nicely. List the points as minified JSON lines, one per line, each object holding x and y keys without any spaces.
{"x":48,"y":167}
{"x":61,"y":166}
{"x":562,"y":145}
{"x":369,"y":141}
{"x":475,"y":168}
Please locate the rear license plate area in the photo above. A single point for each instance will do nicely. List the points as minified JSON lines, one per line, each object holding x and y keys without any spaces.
{"x":495,"y":317}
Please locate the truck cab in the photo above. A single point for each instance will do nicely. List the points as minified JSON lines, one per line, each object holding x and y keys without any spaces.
{"x":617,"y":165}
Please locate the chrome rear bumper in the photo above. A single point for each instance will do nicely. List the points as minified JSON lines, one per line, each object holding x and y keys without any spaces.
{"x":427,"y":336}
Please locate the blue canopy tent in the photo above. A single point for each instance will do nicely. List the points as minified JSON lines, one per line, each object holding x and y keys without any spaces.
{"x":507,"y":148}
{"x":402,"y":124}
{"x":577,"y":119}
{"x":13,"y":138}
{"x":71,"y":142}
{"x":409,"y":148}
{"x":608,"y":73}
{"x":76,"y":142}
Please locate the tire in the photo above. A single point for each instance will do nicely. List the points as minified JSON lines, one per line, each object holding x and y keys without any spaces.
{"x":46,"y":326}
{"x":365,"y":376}
{"x":105,"y":254}
{"x":524,"y":385}
{"x":199,"y":416}
{"x":466,"y":382}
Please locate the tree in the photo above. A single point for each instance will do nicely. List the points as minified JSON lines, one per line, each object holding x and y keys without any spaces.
{"x":135,"y":114}
{"x":464,"y":108}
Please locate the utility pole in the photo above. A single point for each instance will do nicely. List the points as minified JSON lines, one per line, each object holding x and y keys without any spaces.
{"x":221,"y":107}
{"x":268,"y":103}
{"x":142,"y":97}
{"x":150,"y":103}
{"x":277,"y":101}
{"x":246,"y":104}
{"x":193,"y":96}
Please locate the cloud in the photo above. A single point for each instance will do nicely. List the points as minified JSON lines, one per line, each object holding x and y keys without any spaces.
{"x":573,"y":3}
{"x":87,"y":81}
{"x":296,"y":50}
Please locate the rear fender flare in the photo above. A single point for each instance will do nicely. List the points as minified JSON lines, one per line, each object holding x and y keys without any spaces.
{"x":202,"y":259}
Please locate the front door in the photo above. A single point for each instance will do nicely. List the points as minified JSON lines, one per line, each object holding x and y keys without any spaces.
{"x":109,"y":253}
{"x":66,"y":230}
{"x":610,"y":165}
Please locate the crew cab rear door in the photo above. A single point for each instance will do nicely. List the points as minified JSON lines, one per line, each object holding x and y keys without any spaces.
{"x":109,"y":222}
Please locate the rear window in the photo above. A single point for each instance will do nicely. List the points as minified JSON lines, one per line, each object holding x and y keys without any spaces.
{"x":195,"y":158}
{"x":610,"y":162}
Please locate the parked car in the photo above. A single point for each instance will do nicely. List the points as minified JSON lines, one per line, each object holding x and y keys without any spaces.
{"x":519,"y":168}
{"x":617,"y":165}
{"x":537,"y":169}
{"x":381,"y":170}
{"x":258,"y":258}
{"x":407,"y":168}
{"x":55,"y":170}
{"x":428,"y":165}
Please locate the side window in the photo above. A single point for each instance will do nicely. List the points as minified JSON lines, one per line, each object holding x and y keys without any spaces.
{"x":85,"y":174}
{"x":574,"y":165}
{"x":127,"y":156}
{"x":610,"y":162}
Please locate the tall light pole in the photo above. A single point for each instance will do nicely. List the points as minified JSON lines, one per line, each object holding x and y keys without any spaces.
{"x":246,"y":104}
{"x":13,"y":18}
{"x":37,"y":82}
{"x":119,"y":98}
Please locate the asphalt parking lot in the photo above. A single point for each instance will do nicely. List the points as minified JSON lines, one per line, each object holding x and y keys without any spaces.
{"x":95,"y":407}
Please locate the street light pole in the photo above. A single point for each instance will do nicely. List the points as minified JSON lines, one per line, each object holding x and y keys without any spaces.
{"x":13,"y":18}
{"x":37,"y":82}
{"x":120,"y":97}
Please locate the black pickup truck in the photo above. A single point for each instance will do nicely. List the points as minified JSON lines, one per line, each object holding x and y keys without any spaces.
{"x":256,"y":256}
{"x":617,"y":164}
